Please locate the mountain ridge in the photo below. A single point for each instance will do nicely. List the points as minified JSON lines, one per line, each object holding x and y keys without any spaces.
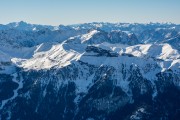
{"x":90,"y":71}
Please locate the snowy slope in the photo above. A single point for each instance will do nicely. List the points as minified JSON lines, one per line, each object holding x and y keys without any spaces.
{"x":64,"y":54}
{"x":50,"y":46}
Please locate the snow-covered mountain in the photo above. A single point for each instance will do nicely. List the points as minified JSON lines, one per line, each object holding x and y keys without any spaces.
{"x":90,"y":71}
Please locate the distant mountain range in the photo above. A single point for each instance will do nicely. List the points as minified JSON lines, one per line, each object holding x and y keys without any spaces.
{"x":90,"y":71}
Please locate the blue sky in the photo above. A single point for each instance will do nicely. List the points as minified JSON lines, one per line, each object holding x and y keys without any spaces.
{"x":55,"y":12}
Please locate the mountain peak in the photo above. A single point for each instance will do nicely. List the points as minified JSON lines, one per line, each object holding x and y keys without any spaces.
{"x":17,"y":24}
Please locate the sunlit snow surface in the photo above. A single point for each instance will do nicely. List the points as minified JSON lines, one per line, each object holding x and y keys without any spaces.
{"x":61,"y":46}
{"x":61,"y":55}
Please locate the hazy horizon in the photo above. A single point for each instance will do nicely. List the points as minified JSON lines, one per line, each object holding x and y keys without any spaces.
{"x":56,"y":12}
{"x":91,"y":22}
